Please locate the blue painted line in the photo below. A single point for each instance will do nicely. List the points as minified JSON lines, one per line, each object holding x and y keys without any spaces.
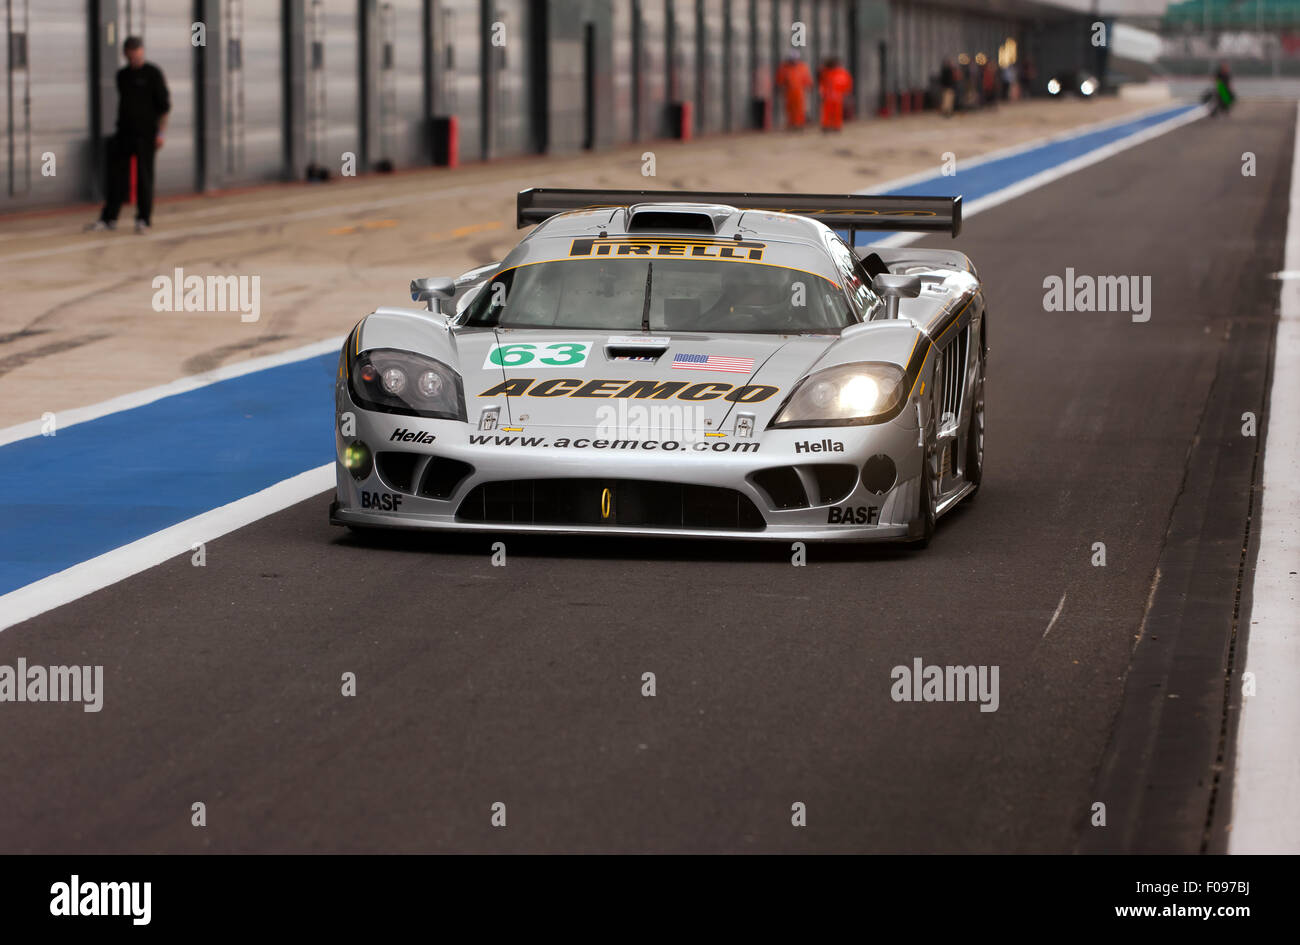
{"x":107,"y":482}
{"x":98,"y":485}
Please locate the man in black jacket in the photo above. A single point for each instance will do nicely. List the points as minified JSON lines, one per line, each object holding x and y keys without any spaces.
{"x":142,"y":106}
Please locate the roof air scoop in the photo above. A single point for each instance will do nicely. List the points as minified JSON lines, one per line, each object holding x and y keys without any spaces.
{"x":687,"y":217}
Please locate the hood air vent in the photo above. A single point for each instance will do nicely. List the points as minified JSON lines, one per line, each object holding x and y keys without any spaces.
{"x":689,"y":218}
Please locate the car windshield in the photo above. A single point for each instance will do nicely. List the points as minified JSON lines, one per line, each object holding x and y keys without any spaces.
{"x":696,"y":295}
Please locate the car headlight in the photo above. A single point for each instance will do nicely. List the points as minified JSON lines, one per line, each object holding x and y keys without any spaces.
{"x":849,"y":394}
{"x":1053,"y":87}
{"x":392,"y":381}
{"x":1087,"y":86}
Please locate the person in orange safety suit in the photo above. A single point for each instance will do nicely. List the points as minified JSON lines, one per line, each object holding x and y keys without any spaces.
{"x":794,"y":79}
{"x":835,"y":84}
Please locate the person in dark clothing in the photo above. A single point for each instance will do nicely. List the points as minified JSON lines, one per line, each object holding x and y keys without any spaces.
{"x":1223,"y":94}
{"x":948,"y":82}
{"x":142,"y":106}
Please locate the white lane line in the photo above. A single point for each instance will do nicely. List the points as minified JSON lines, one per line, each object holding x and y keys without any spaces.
{"x":1052,"y":623}
{"x":121,"y":563}
{"x":1265,"y":811}
{"x":67,"y":418}
{"x":1043,"y":178}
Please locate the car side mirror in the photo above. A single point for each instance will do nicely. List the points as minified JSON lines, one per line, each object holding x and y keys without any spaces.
{"x":891,"y":288}
{"x":434,"y":290}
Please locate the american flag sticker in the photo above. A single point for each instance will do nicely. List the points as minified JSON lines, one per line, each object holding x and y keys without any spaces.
{"x":713,"y":362}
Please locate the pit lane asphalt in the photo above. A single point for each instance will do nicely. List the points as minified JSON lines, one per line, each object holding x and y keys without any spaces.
{"x":478,"y":684}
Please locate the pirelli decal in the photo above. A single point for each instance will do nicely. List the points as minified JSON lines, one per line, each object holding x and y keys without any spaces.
{"x":639,"y":390}
{"x":685,"y":247}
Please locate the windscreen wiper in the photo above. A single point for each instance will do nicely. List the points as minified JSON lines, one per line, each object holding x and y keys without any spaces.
{"x":645,"y":307}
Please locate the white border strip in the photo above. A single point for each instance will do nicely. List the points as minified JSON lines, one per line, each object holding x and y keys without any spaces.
{"x":1265,"y":811}
{"x":121,"y":563}
{"x":67,"y":418}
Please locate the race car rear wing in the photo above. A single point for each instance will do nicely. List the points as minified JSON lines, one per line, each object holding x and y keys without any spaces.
{"x":838,"y":211}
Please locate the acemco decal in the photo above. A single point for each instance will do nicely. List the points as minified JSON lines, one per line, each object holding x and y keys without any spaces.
{"x":584,"y":442}
{"x":682,"y":247}
{"x":640,"y":390}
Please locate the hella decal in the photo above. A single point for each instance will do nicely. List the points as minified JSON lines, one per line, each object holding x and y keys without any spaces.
{"x":823,"y":446}
{"x":403,"y":435}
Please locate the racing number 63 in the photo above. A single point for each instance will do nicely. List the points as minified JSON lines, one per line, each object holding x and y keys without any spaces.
{"x":555,"y":354}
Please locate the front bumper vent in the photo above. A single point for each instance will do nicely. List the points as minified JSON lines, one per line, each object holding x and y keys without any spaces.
{"x":624,"y":503}
{"x":432,"y":477}
{"x":799,"y":487}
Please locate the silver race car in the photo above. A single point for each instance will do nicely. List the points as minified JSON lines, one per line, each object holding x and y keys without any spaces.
{"x":665,"y":363}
